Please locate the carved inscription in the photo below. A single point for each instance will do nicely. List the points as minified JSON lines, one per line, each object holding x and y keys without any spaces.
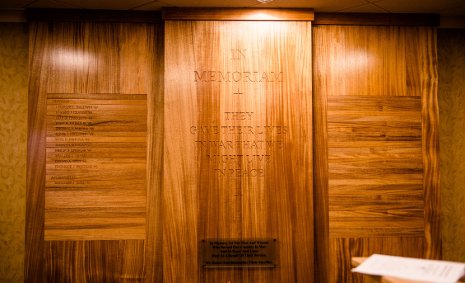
{"x":241,"y":143}
{"x":238,"y":253}
{"x":207,"y":76}
{"x":93,"y":134}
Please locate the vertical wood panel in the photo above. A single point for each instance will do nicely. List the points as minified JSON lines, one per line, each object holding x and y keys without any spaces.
{"x":379,"y":88}
{"x":154,"y":233}
{"x":35,"y":194}
{"x":96,"y":61}
{"x":430,"y":119}
{"x":238,"y":176}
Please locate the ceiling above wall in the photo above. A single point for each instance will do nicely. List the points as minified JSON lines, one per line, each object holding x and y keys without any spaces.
{"x":452,"y":12}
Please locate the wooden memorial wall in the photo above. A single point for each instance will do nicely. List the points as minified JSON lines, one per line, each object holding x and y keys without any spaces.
{"x":376,"y":145}
{"x":238,"y":148}
{"x":94,"y":156}
{"x":228,"y":145}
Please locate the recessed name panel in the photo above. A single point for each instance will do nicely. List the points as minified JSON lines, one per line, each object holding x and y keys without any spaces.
{"x":95,"y":166}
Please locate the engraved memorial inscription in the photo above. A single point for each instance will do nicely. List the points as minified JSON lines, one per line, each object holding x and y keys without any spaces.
{"x":96,"y":157}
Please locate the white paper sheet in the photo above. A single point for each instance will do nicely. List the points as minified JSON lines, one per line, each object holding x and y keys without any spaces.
{"x":422,"y":270}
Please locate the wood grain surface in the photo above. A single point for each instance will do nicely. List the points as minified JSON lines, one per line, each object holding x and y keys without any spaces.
{"x":376,"y":87}
{"x":238,"y":14}
{"x":94,"y":163}
{"x":377,"y":19}
{"x":238,"y":145}
{"x":227,"y":152}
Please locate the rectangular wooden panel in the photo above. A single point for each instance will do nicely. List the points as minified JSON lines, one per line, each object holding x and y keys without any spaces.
{"x":94,"y":161}
{"x":95,"y":187}
{"x":376,"y":150}
{"x":89,"y":261}
{"x":238,"y":145}
{"x":375,"y":172}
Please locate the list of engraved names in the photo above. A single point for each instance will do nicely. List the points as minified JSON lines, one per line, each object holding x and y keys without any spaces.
{"x":88,"y":135}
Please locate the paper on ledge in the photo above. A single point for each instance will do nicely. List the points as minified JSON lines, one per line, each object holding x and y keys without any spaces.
{"x":422,"y":270}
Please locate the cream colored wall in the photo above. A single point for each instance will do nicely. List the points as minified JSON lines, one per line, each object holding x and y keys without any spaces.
{"x":13,"y":133}
{"x":451,"y":55}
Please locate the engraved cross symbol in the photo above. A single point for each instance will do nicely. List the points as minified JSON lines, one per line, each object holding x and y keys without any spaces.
{"x":238,"y":92}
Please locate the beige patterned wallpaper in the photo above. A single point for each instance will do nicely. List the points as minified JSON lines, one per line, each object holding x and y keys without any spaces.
{"x":13,"y":143}
{"x":451,"y":55}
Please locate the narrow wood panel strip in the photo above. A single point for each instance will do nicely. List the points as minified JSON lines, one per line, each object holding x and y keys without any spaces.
{"x":235,"y":14}
{"x":416,"y":144}
{"x":95,"y":233}
{"x":101,"y":152}
{"x":76,"y":144}
{"x":393,"y":191}
{"x":93,"y":140}
{"x":94,"y":198}
{"x":430,"y":112}
{"x":320,"y":158}
{"x":125,"y":227}
{"x":94,"y":261}
{"x":360,"y":103}
{"x":34,"y":270}
{"x":375,"y":228}
{"x":395,"y":153}
{"x":180,"y":196}
{"x":96,"y":98}
{"x":103,"y":132}
{"x":380,"y":180}
{"x":388,"y":19}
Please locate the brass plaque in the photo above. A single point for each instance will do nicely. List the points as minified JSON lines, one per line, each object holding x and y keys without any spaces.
{"x":218,"y":253}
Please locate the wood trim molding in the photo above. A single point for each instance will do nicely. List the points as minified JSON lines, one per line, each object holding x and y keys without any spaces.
{"x":108,"y":16}
{"x":375,"y":19}
{"x":237,"y":14}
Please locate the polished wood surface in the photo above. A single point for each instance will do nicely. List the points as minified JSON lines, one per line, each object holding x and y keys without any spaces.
{"x":376,"y":87}
{"x":92,"y":261}
{"x":235,"y":14}
{"x":95,"y":188}
{"x":238,"y":145}
{"x":377,"y":19}
{"x":101,"y":223}
{"x":375,"y":176}
{"x":234,"y":152}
